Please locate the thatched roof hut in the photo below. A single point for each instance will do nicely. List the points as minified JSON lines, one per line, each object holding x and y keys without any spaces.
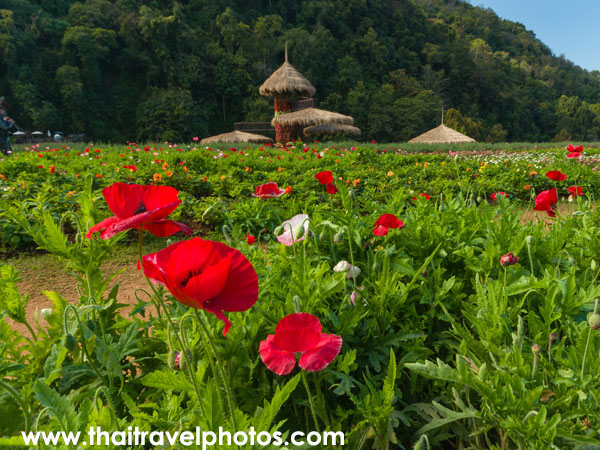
{"x":287,"y":81}
{"x":237,"y":136}
{"x":442,"y":135}
{"x":311,"y":116}
{"x":331,"y":129}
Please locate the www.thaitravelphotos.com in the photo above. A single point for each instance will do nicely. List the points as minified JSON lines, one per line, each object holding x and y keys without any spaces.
{"x":206,"y":439}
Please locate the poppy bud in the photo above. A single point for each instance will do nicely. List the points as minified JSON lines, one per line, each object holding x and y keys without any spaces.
{"x":339,"y":236}
{"x":91,"y":325}
{"x":70,"y":342}
{"x":529,"y":240}
{"x":424,"y":274}
{"x":443,"y":253}
{"x":553,"y":336}
{"x":299,"y":232}
{"x":183,"y":360}
{"x":46,"y":313}
{"x":171,"y":358}
{"x":593,"y":265}
{"x":278,"y":230}
{"x":594,"y":321}
{"x":535,"y":348}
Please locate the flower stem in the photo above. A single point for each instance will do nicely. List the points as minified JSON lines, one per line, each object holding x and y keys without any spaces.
{"x":219,"y":367}
{"x":587,"y":344}
{"x":310,"y":400}
{"x":184,"y":346}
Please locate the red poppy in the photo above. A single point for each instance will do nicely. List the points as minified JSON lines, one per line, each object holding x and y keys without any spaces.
{"x":250,"y":239}
{"x":134,"y":205}
{"x":545,"y":201}
{"x":268,"y":190}
{"x":509,"y":259}
{"x":574,"y":155}
{"x":205,"y":274}
{"x":299,"y":333}
{"x":425,"y":196}
{"x":556,"y":175}
{"x":131,"y":167}
{"x":385,"y":222}
{"x":575,"y":191}
{"x":571,"y":148}
{"x":331,"y":189}
{"x":52,"y":169}
{"x":325,"y":177}
{"x":496,"y":194}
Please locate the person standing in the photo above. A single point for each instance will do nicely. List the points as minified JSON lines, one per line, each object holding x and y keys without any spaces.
{"x":6,"y":125}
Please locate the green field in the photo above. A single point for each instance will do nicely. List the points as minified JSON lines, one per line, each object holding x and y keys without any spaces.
{"x":443,"y":344}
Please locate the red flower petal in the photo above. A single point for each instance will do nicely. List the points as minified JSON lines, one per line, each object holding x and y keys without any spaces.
{"x":268,"y":190}
{"x":101,"y":226}
{"x":279,"y":361}
{"x":166,"y":227}
{"x":298,"y":332}
{"x":325,"y":177}
{"x":322,"y":354}
{"x":575,"y":190}
{"x":545,"y":200}
{"x":331,"y":189}
{"x":155,"y":197}
{"x":389,"y":221}
{"x":380,"y":230}
{"x":123,"y":199}
{"x":556,"y":175}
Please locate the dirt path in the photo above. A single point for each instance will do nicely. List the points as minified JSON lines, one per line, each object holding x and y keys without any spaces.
{"x":45,"y":273}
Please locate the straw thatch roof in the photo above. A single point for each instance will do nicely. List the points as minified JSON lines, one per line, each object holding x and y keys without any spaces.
{"x":287,"y":80}
{"x":331,"y":129}
{"x":237,"y":136}
{"x":311,"y":116}
{"x":442,"y":135}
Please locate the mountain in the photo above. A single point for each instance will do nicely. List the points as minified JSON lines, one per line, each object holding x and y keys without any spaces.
{"x":162,"y":69}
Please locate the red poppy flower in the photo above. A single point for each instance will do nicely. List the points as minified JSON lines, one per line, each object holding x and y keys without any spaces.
{"x":134,"y":205}
{"x":325,"y":177}
{"x":268,"y":190}
{"x":52,"y":169}
{"x":556,"y":175}
{"x":496,"y":194}
{"x":331,"y":189}
{"x":385,"y":222}
{"x":299,"y":333}
{"x":509,"y":259}
{"x":545,"y":201}
{"x":571,"y":148}
{"x":425,"y":196}
{"x":575,"y":191}
{"x":250,"y":239}
{"x":574,"y":155}
{"x":205,"y":274}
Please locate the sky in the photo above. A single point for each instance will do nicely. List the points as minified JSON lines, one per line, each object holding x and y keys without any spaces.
{"x":569,"y":27}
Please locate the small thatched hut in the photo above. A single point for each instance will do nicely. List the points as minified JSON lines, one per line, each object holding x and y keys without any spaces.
{"x":286,"y":85}
{"x":237,"y":136}
{"x":331,"y":129}
{"x":442,"y":135}
{"x":292,"y":124}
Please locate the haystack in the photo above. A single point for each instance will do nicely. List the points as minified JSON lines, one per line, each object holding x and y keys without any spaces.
{"x":331,"y":129}
{"x":442,"y":135}
{"x":237,"y":136}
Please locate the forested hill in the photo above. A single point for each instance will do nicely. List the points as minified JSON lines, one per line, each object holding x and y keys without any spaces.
{"x":162,"y":69}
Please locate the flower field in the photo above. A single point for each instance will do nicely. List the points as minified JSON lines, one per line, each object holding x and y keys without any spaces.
{"x":407,"y":296}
